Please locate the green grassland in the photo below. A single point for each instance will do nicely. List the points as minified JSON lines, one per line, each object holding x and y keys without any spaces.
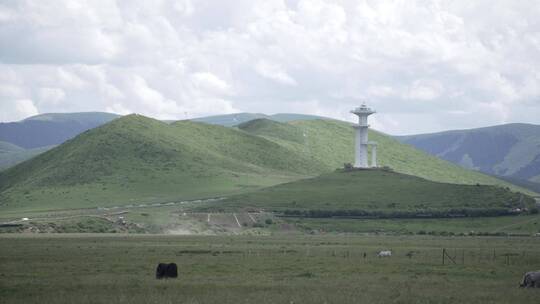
{"x":376,"y":190}
{"x":505,"y":225}
{"x":135,"y":159}
{"x":284,"y":269}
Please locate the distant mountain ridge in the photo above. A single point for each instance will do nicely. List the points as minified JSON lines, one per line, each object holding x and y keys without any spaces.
{"x":27,"y":138}
{"x":511,"y":150}
{"x":51,"y":129}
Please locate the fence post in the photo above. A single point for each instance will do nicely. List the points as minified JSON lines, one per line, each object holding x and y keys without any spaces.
{"x":443,"y":254}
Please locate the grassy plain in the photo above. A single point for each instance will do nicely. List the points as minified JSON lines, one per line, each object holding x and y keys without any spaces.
{"x":276,"y":269}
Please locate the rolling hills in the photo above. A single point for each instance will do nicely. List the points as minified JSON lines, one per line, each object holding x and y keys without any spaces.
{"x":378,"y":192}
{"x":39,"y":133}
{"x":511,"y":150}
{"x":138,"y":160}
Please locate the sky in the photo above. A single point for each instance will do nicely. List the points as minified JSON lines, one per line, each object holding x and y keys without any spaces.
{"x":425,"y":66}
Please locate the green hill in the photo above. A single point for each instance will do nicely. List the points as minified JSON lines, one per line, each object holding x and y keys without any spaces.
{"x":37,"y":134}
{"x":377,"y":192}
{"x":136,"y":160}
{"x":330,"y":143}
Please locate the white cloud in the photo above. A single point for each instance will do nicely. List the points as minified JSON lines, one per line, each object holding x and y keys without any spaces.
{"x":51,"y":95}
{"x":425,"y":66}
{"x":423,"y":89}
{"x":210,"y":83}
{"x":13,"y":110}
{"x":274,"y":72}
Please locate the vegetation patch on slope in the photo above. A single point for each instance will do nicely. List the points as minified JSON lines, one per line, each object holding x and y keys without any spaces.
{"x":380,"y":193}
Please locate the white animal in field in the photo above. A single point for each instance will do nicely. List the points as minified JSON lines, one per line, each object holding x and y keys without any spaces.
{"x":384,"y":253}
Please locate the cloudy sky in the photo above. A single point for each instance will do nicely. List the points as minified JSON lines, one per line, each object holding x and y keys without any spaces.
{"x":425,"y":66}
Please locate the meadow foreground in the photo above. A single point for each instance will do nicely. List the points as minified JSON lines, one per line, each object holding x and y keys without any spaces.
{"x":89,"y":268}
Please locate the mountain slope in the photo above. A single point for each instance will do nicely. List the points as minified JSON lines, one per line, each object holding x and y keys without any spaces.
{"x":331,"y":143}
{"x":511,"y":150}
{"x":380,"y":193}
{"x":39,"y":133}
{"x":136,"y":160}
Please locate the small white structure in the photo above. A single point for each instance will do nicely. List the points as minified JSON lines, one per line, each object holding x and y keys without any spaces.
{"x":361,"y":139}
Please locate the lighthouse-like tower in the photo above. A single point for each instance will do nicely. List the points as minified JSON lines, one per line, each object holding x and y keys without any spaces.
{"x":361,"y":139}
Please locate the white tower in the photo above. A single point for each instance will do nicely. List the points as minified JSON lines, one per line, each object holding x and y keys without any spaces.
{"x":361,"y":139}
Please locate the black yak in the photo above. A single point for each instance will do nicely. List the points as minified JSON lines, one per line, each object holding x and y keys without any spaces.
{"x":166,"y":271}
{"x":531,"y":279}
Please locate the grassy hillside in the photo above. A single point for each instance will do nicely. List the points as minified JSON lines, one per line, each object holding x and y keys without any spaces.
{"x":39,"y":133}
{"x":135,"y":160}
{"x":331,"y":143}
{"x":511,"y":150}
{"x":363,"y":192}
